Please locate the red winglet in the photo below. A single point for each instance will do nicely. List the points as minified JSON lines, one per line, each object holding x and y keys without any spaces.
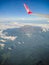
{"x":27,"y":9}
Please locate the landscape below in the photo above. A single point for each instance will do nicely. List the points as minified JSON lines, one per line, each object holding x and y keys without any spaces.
{"x":24,"y":44}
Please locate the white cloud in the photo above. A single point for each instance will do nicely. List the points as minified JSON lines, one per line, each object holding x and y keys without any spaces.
{"x":10,"y":48}
{"x":16,"y":19}
{"x":19,"y":42}
{"x":35,"y":19}
{"x":23,"y":42}
{"x":2,"y":46}
{"x":9,"y":37}
{"x":48,"y":20}
{"x":2,"y":40}
{"x":43,"y":30}
{"x":28,"y":34}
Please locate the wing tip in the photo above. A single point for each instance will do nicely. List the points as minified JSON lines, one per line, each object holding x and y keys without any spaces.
{"x":29,"y":12}
{"x":27,"y":9}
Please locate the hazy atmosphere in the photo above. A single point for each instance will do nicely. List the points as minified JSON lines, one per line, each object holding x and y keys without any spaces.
{"x":24,"y":38}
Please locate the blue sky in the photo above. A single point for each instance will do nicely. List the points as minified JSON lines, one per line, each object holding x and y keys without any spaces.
{"x":15,"y":8}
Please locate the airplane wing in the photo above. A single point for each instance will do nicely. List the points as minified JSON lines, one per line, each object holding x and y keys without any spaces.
{"x":36,"y":14}
{"x":41,"y":15}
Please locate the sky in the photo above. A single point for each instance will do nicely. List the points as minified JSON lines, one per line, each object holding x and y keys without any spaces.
{"x":15,"y":8}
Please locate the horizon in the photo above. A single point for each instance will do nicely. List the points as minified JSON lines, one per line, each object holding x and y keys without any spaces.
{"x":14,"y":10}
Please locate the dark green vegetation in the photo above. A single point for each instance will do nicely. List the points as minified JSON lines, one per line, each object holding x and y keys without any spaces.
{"x":31,"y":47}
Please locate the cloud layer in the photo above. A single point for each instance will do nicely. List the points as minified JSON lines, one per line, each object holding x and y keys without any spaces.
{"x":18,"y":19}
